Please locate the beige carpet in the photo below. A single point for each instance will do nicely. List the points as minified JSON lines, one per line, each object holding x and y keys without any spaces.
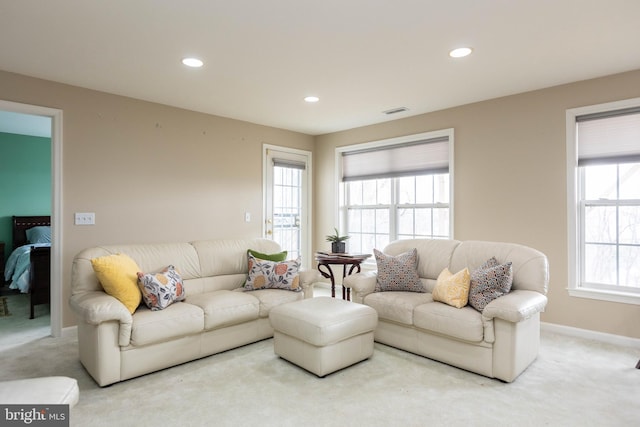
{"x":574,"y":382}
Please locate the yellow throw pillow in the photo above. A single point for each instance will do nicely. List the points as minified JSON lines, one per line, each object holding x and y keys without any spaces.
{"x":118,"y":275}
{"x":452,"y":289}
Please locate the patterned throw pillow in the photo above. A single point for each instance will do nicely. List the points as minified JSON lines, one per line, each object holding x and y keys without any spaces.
{"x":452,"y":289}
{"x":162,"y":289}
{"x":398,"y":273}
{"x":265,"y":274}
{"x":490,"y":281}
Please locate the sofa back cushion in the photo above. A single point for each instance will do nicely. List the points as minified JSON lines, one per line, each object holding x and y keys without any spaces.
{"x":204,"y":265}
{"x":150,"y":258}
{"x":433,"y":255}
{"x":530,"y":266}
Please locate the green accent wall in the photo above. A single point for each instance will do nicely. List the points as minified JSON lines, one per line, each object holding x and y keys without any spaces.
{"x":25,"y":180}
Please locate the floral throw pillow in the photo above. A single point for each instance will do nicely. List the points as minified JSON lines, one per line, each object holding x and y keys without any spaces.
{"x":162,"y":289}
{"x":398,"y":273}
{"x":264,"y":274}
{"x":490,"y":281}
{"x":452,"y":289}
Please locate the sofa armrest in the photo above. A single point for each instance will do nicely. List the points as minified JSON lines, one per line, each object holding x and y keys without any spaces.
{"x":308,"y":278}
{"x":516,"y":306}
{"x":361,"y":284}
{"x":97,"y":307}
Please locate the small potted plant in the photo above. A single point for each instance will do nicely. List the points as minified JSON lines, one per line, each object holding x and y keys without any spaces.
{"x":337,"y":242}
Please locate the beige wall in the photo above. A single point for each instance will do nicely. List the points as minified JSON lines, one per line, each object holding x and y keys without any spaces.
{"x":510,"y":181}
{"x":155,"y":173}
{"x":151,"y":173}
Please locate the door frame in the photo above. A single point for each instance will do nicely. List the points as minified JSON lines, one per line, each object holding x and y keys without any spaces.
{"x":306,"y":236}
{"x":56,"y":203}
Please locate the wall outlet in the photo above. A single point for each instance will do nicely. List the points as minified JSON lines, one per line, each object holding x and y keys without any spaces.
{"x":85,"y":218}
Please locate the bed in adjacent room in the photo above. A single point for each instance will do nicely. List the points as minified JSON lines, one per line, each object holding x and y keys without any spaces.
{"x":28,"y":267}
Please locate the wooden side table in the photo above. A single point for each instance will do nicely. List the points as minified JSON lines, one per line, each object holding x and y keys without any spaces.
{"x":349,"y":263}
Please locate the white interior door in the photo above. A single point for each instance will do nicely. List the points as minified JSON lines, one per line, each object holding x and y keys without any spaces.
{"x":286,"y":200}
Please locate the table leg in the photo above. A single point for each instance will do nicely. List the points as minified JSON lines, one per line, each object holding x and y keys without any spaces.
{"x":329,"y":275}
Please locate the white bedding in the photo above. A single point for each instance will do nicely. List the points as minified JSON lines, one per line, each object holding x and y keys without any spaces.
{"x":17,"y":267}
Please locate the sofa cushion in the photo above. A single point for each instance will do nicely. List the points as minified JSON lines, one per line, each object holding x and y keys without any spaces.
{"x":162,"y":289}
{"x":264,"y":274}
{"x":452,"y":289}
{"x":118,"y":275}
{"x":175,"y":321}
{"x":490,"y":281}
{"x":269,"y":298}
{"x":398,"y":273}
{"x":464,"y":323}
{"x":226,"y":308}
{"x":396,"y":306}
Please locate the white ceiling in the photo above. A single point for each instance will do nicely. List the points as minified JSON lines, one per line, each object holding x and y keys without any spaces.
{"x":360,"y":57}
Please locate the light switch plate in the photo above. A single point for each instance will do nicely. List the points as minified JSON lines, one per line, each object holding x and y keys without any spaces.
{"x":85,"y":218}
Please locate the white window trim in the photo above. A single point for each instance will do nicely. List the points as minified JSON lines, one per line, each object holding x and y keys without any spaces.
{"x":341,"y":212}
{"x":574,"y":288}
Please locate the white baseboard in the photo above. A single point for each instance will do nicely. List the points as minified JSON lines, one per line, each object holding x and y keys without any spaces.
{"x":592,"y":335}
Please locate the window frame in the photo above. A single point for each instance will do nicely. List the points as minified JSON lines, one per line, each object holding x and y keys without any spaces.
{"x":342,"y":211}
{"x":575,"y":210}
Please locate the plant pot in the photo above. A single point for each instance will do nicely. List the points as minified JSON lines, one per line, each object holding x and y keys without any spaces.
{"x":338,"y":247}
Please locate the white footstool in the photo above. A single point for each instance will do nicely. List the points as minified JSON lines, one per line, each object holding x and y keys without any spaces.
{"x":323,"y":334}
{"x":40,"y":391}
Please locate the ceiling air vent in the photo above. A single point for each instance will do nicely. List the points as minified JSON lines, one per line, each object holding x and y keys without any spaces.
{"x":396,"y":110}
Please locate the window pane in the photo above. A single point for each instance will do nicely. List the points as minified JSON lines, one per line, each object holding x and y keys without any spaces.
{"x":630,"y":181}
{"x":368,"y":220}
{"x":630,"y":224}
{"x":600,"y":224}
{"x":405,"y":221}
{"x":354,"y":190}
{"x":369,"y":192}
{"x":382,"y":221}
{"x":382,"y":240}
{"x":354,"y":245}
{"x":441,"y":188}
{"x":424,"y":189}
{"x":441,"y":222}
{"x":355,"y":222}
{"x":384,"y":191}
{"x":600,"y":264}
{"x":600,"y":182}
{"x":630,"y":266}
{"x":423,"y":222}
{"x":368,"y":243}
{"x":406,"y":190}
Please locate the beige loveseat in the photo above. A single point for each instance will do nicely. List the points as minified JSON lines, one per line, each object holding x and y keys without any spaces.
{"x":499,"y":342}
{"x":217,"y":314}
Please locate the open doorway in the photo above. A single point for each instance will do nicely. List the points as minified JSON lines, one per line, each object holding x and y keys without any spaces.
{"x":29,"y":115}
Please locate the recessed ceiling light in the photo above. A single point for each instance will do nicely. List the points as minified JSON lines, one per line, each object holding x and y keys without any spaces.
{"x":193,"y":62}
{"x":460,"y":52}
{"x":311,"y":99}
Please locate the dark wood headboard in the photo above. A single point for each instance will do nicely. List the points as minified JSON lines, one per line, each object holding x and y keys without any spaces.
{"x":22,"y":223}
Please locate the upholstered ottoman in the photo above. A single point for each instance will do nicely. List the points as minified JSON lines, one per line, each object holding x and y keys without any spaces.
{"x":323,"y":334}
{"x":40,"y":391}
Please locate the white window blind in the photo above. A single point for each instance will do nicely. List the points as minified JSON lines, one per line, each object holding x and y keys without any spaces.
{"x":287,"y":163}
{"x":609,"y":137}
{"x":429,"y":156}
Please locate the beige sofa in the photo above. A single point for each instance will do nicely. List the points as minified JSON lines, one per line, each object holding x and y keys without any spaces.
{"x":499,"y":342}
{"x":217,"y":314}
